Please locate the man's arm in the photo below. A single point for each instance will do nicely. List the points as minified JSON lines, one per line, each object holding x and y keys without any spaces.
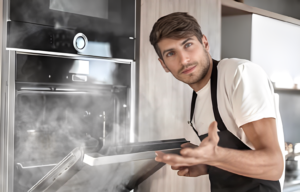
{"x":265,"y":162}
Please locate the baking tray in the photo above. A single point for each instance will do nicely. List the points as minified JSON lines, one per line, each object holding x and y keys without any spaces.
{"x":114,"y":168}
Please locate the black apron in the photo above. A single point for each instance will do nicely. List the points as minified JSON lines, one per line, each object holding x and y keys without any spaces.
{"x":221,"y":180}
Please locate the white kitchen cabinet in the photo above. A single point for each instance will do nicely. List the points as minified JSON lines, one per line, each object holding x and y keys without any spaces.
{"x":271,"y":43}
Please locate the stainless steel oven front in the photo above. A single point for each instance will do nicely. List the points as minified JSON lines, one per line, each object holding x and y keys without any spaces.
{"x":104,"y":28}
{"x":68,"y":98}
{"x":56,"y":104}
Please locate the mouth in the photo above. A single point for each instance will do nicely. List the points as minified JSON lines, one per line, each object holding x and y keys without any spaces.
{"x":189,"y":70}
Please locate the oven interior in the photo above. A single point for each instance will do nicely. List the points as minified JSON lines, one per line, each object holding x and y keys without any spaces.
{"x":62,"y":104}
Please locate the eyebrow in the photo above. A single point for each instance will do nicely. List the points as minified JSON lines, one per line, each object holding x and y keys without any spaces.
{"x":180,"y":44}
{"x":186,"y":41}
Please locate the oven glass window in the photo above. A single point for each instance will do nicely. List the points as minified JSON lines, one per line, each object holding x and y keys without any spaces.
{"x":48,"y":126}
{"x":93,"y":8}
{"x":55,"y":113}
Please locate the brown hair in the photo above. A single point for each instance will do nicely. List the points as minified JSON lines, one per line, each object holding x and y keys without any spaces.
{"x":175,"y":25}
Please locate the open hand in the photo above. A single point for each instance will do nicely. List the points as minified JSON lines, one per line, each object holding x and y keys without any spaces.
{"x":205,"y":153}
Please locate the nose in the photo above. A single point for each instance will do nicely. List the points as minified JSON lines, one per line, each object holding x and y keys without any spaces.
{"x":184,"y":58}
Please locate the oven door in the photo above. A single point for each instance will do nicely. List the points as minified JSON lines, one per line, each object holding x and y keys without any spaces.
{"x":50,"y":124}
{"x":106,"y":27}
{"x":53,"y":105}
{"x":117,"y":168}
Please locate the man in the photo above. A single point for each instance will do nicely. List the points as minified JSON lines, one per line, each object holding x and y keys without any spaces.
{"x":233,"y":112}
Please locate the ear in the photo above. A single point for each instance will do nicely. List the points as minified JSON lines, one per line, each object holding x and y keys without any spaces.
{"x":205,"y":43}
{"x":163,"y":65}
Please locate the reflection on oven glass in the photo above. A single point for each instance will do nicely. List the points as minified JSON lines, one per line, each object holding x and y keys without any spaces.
{"x":93,"y":8}
{"x":104,"y":72}
{"x":80,"y":67}
{"x":96,"y":48}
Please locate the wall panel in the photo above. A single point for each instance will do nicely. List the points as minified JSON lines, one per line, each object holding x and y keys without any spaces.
{"x":164,"y":102}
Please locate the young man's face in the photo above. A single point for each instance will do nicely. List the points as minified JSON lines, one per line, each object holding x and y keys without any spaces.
{"x":187,"y":59}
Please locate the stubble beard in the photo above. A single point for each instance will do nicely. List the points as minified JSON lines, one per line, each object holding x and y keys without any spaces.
{"x":195,"y":78}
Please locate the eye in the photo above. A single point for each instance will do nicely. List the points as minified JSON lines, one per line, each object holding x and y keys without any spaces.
{"x":170,"y":54}
{"x":188,"y":44}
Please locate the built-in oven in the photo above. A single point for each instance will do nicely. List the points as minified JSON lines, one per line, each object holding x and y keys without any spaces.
{"x":69,"y":125}
{"x":103,"y":28}
{"x":69,"y":84}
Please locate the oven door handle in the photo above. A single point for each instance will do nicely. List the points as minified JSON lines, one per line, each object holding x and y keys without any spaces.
{"x":35,"y":166}
{"x":49,"y":91}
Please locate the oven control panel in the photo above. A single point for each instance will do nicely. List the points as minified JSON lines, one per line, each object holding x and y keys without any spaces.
{"x":60,"y":40}
{"x":68,"y":40}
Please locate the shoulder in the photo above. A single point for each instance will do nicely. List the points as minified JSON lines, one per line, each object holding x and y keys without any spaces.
{"x":233,"y":70}
{"x":248,"y":90}
{"x":234,"y":65}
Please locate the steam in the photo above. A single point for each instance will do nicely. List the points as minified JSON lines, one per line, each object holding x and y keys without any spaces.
{"x":49,"y":124}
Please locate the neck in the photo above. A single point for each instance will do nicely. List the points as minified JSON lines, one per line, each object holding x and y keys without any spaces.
{"x":200,"y":84}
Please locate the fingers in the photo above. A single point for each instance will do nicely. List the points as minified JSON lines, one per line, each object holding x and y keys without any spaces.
{"x":185,"y":145}
{"x":175,"y":160}
{"x":183,"y":172}
{"x":213,"y":132}
{"x":188,"y":145}
{"x":177,"y":167}
{"x":192,"y":154}
{"x":159,"y":154}
{"x":188,"y":152}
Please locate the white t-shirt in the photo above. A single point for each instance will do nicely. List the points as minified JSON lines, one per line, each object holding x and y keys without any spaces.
{"x":244,"y":94}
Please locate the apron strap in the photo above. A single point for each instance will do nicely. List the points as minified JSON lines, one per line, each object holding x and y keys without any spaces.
{"x":192,"y":112}
{"x":213,"y":88}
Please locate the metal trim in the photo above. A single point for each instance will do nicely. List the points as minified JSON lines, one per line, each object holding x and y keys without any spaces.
{"x":35,"y":166}
{"x":137,"y":63}
{"x":3,"y":144}
{"x":3,"y":96}
{"x":132,"y":129}
{"x":67,"y":55}
{"x":54,"y":92}
{"x":11,"y":117}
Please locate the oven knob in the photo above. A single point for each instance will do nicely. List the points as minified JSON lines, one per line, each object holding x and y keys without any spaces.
{"x":80,"y":42}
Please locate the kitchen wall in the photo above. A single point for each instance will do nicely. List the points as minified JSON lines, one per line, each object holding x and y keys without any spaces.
{"x":164,"y":102}
{"x":289,"y":106}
